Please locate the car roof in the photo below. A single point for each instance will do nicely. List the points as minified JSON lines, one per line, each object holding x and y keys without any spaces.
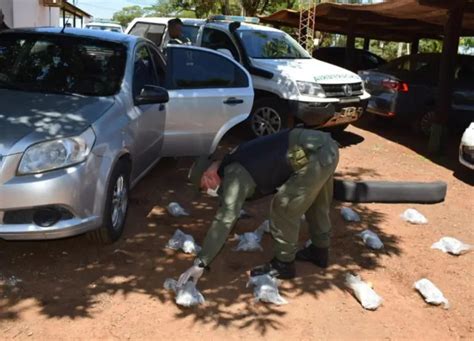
{"x":103,"y":24}
{"x":243,"y":26}
{"x":79,"y":32}
{"x":164,"y":20}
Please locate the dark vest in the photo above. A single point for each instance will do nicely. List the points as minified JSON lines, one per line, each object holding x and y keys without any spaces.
{"x":265,"y":159}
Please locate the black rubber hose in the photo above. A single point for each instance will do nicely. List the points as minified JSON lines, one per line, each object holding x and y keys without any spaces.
{"x":389,"y":192}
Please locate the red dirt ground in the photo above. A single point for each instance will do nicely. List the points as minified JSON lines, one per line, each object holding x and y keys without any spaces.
{"x":74,"y":289}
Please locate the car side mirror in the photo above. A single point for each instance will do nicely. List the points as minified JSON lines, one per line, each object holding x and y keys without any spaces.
{"x":226,"y":52}
{"x":152,"y":94}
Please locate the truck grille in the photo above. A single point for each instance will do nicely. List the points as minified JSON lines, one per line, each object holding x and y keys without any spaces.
{"x":342,"y":90}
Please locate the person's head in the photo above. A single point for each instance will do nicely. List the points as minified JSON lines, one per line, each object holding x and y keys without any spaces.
{"x":203,"y":174}
{"x":175,"y":27}
{"x":2,"y":17}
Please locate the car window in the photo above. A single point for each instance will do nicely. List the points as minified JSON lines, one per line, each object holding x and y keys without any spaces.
{"x":160,"y":65}
{"x":367,"y":61}
{"x":191,"y":70}
{"x":465,"y":72}
{"x":61,"y":64}
{"x":215,"y":39}
{"x":271,"y":45}
{"x":190,"y":32}
{"x":143,"y":72}
{"x":153,"y":32}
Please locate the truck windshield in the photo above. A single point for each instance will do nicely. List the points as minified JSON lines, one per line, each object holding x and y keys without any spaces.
{"x":271,"y":45}
{"x":53,"y":63}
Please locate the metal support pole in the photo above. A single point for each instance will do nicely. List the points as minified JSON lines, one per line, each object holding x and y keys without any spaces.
{"x":415,"y":46}
{"x":452,"y":32}
{"x":367,"y":44}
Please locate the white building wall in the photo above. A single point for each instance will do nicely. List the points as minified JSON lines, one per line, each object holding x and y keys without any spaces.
{"x":7,"y":9}
{"x":30,"y":13}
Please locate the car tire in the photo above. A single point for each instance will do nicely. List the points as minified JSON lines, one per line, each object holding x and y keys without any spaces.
{"x":269,"y":116}
{"x":116,"y":205}
{"x":424,"y":122}
{"x":389,"y":192}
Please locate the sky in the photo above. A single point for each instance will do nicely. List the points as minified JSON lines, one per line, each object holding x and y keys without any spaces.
{"x":104,"y":9}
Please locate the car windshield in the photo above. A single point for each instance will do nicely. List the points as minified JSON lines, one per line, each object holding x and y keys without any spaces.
{"x":271,"y":45}
{"x":61,"y":64}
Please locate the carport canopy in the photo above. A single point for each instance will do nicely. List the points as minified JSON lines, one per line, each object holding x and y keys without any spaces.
{"x":392,"y":20}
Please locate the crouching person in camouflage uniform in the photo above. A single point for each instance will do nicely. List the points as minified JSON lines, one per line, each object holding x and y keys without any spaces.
{"x":297,"y":166}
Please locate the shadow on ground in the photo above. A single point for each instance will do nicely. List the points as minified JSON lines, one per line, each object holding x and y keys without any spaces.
{"x":75,"y":278}
{"x":405,"y":136}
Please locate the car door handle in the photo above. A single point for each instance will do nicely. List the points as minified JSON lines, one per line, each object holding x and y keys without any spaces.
{"x":233,"y":101}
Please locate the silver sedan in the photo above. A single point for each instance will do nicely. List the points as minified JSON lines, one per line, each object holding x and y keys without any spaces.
{"x":85,"y":114}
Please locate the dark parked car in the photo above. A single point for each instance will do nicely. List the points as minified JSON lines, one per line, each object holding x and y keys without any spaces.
{"x":406,"y":89}
{"x":363,"y":60}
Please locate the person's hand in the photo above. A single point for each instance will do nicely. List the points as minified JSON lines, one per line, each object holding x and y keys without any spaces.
{"x":195,"y":272}
{"x":210,"y":179}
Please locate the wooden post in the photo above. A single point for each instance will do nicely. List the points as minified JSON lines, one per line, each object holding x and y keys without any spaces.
{"x":415,"y":46}
{"x":350,"y":42}
{"x":452,"y":32}
{"x":367,"y":44}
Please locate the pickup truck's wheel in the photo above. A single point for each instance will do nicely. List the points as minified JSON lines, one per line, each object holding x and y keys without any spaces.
{"x":116,"y":205}
{"x":269,"y":116}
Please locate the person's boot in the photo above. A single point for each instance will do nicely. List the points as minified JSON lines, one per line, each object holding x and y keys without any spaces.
{"x":276,"y":268}
{"x":317,"y":255}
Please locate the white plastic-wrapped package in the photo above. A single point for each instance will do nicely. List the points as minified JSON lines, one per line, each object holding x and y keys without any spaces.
{"x":451,"y":245}
{"x":264,"y":227}
{"x":248,"y":242}
{"x":350,"y":215}
{"x":181,"y":240}
{"x":414,"y":217}
{"x":431,"y":293}
{"x":176,"y":210}
{"x":363,"y":292}
{"x":266,"y":289}
{"x":187,"y":295}
{"x":371,"y":239}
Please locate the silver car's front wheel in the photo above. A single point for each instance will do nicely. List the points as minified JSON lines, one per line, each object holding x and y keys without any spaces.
{"x":268,"y":117}
{"x":119,"y":202}
{"x":116,"y":205}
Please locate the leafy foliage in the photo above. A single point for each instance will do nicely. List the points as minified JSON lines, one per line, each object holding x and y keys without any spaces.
{"x":127,"y":14}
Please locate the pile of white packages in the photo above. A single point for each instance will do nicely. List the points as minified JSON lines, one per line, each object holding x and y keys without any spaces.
{"x":183,"y":241}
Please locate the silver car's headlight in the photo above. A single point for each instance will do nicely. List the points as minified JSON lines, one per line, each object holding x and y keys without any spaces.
{"x":310,"y":89}
{"x":60,"y":153}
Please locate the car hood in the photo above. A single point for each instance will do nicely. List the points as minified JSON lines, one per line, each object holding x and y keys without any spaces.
{"x":468,"y":136}
{"x":28,"y":117}
{"x":308,"y":70}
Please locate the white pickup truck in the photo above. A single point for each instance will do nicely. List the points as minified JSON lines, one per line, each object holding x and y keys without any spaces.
{"x":290,"y":86}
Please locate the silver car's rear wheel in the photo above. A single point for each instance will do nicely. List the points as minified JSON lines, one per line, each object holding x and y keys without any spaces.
{"x":268,"y":117}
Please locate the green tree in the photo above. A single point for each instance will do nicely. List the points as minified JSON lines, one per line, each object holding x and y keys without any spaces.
{"x":127,"y":14}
